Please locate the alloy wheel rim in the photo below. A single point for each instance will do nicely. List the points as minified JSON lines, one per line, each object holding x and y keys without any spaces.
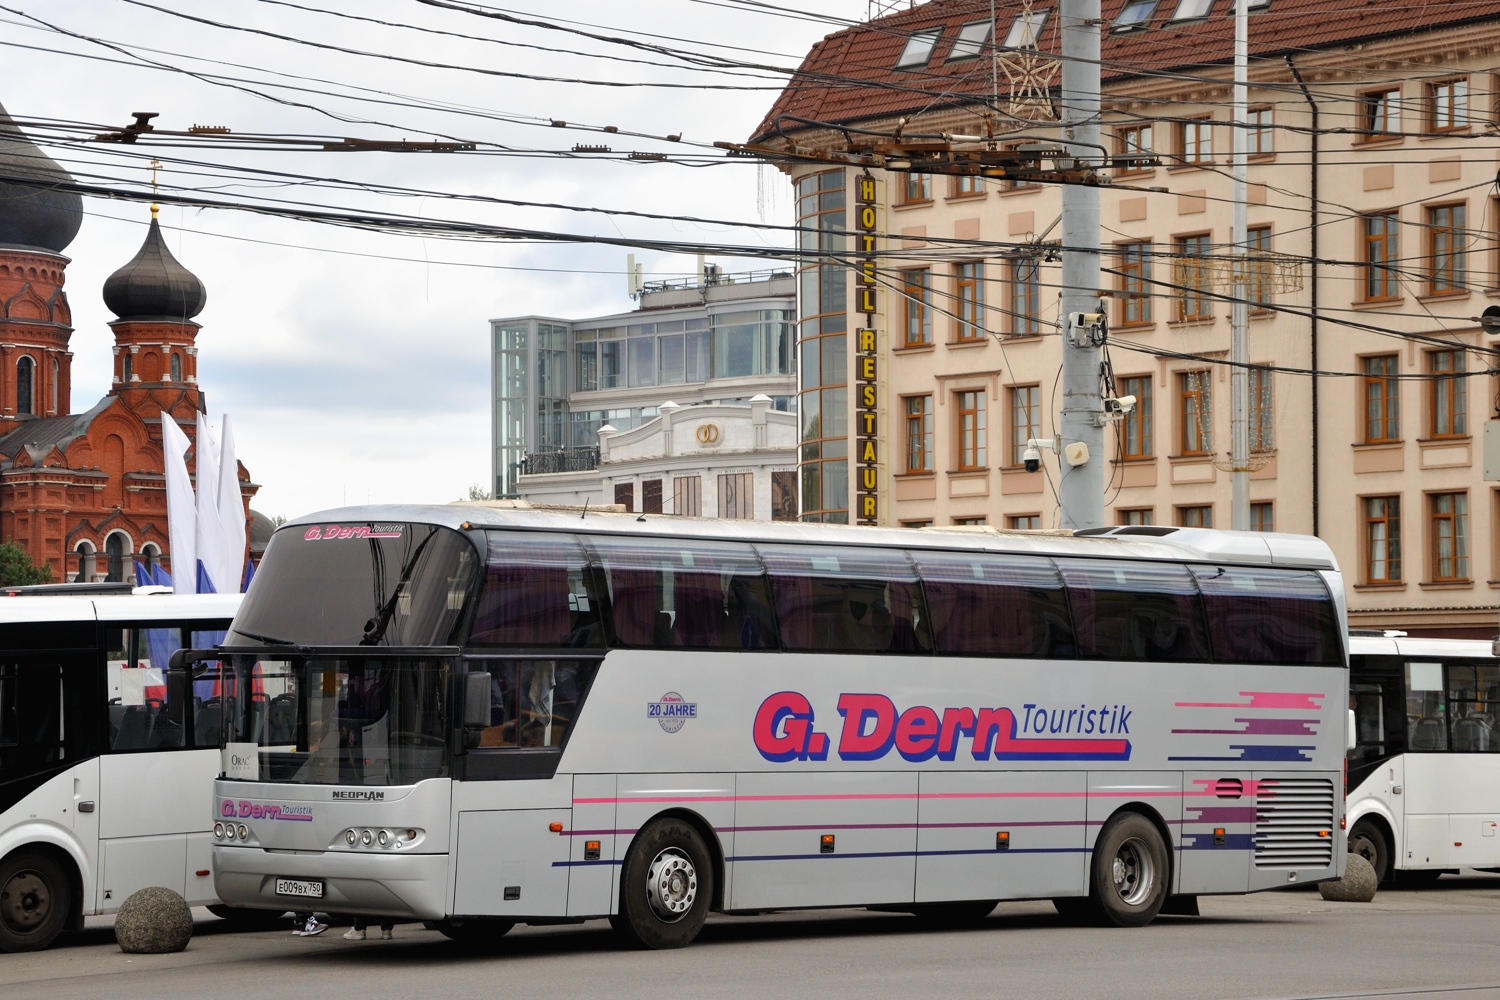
{"x":671,"y":885}
{"x":1134,"y":872}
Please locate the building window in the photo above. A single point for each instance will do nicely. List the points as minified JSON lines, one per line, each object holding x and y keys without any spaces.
{"x":915,"y":188}
{"x":1135,"y":283}
{"x":1260,"y":140}
{"x":971,"y":41}
{"x":1382,"y":255}
{"x":965,"y":185}
{"x":1262,"y":516}
{"x":1258,"y":267}
{"x":1193,"y":278}
{"x":1025,"y":419}
{"x":1262,"y":412}
{"x":1448,"y":105}
{"x":1195,"y":140}
{"x":971,"y":430}
{"x":1025,"y":289}
{"x":1382,"y":395}
{"x":783,"y":495}
{"x":1134,"y":15}
{"x":1447,"y":269}
{"x":25,"y":372}
{"x":970,"y":277}
{"x":116,"y":548}
{"x":625,"y":496}
{"x":1136,"y":433}
{"x":56,"y":380}
{"x":1449,"y":394}
{"x":1196,"y":517}
{"x":918,"y":50}
{"x":129,"y":367}
{"x":918,"y":433}
{"x":1188,"y":10}
{"x":1196,"y":411}
{"x":651,"y":496}
{"x":1380,"y":114}
{"x":1135,"y":140}
{"x":921,"y":522}
{"x":687,"y":496}
{"x":1025,"y":522}
{"x":969,"y":522}
{"x":1382,"y":539}
{"x":1136,"y":515}
{"x":87,"y":563}
{"x":1450,"y":536}
{"x":1026,"y":29}
{"x":737,"y":496}
{"x":917,"y":286}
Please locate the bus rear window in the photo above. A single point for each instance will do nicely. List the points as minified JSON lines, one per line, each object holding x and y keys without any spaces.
{"x":538,"y":591}
{"x":681,"y":594}
{"x":986,"y":604}
{"x":1269,"y":616}
{"x":847,"y":600}
{"x":1135,"y":610}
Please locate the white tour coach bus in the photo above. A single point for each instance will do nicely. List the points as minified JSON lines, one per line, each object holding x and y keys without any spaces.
{"x":493,"y":714}
{"x":105,"y":768}
{"x":1424,"y":773}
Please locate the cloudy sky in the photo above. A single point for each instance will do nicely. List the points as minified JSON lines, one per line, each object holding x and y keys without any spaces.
{"x":355,"y":364}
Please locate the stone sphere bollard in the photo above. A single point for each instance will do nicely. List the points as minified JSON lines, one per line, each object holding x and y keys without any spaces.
{"x":1357,"y":885}
{"x":153,"y":922}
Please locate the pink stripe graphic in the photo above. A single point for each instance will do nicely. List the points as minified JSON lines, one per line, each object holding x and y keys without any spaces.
{"x":1292,"y":700}
{"x":881,"y":796}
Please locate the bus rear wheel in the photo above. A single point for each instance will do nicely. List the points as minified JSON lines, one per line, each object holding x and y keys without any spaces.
{"x":1368,"y":841}
{"x":666,"y":886}
{"x":35,"y":901}
{"x":1130,"y":874}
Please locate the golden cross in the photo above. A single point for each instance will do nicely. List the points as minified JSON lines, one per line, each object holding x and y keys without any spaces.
{"x":155,"y":166}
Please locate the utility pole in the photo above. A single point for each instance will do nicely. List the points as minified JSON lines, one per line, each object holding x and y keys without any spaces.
{"x":1239,"y":332}
{"x":1082,"y":484}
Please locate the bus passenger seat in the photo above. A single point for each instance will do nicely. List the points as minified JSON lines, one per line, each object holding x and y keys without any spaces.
{"x":1470,"y":735}
{"x":1428,"y":734}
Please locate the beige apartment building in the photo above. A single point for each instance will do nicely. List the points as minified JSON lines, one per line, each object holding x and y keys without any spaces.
{"x":1373,"y":156}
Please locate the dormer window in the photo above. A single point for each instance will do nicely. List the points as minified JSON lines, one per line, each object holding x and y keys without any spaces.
{"x":1189,"y":10}
{"x":1026,"y":29}
{"x":971,"y":41}
{"x":918,"y":49}
{"x":1135,"y":15}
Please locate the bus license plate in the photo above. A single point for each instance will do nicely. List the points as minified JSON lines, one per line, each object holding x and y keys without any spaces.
{"x":308,"y":888}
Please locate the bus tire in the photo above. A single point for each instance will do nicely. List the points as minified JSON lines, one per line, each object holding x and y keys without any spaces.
{"x":666,"y":886}
{"x":1368,"y":841}
{"x":36,"y":901}
{"x":1130,"y":876}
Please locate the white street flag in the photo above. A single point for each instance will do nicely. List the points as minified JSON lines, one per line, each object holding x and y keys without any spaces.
{"x":182,"y":517}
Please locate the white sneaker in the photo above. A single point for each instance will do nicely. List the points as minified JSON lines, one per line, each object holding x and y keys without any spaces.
{"x":355,"y":934}
{"x":314,"y":928}
{"x":385,"y":934}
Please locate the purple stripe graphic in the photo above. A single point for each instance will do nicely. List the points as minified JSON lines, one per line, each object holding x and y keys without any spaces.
{"x":1263,"y":727}
{"x":1223,"y":814}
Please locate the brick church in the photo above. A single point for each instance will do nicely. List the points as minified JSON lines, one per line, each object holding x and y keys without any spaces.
{"x":86,"y":492}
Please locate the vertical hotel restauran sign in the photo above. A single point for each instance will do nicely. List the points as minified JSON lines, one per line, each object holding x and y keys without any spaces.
{"x":867,"y":400}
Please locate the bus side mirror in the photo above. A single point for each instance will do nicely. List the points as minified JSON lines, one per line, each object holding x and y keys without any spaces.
{"x":179,"y":688}
{"x":1352,"y":739}
{"x":477,"y":700}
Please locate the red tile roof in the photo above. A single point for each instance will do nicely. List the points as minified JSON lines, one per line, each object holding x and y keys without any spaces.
{"x":850,"y":75}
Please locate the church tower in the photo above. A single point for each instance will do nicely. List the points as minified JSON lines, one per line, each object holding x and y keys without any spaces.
{"x":36,"y":226}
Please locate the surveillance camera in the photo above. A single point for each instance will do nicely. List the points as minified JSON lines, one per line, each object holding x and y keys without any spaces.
{"x":1119,"y":407}
{"x":1031,"y":459}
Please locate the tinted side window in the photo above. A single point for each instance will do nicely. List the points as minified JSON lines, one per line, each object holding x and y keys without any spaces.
{"x":532,"y":702}
{"x":987,"y":604}
{"x":680,"y":594}
{"x":1473,"y":700}
{"x":1269,"y":616}
{"x":1135,"y":610}
{"x":847,"y":600}
{"x":538,"y":591}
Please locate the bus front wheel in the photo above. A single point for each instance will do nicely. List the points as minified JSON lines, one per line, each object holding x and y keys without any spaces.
{"x":1130,"y":872}
{"x":1368,"y":841}
{"x":35,"y":901}
{"x":666,"y":886}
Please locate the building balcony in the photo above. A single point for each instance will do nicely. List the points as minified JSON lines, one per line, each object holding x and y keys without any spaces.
{"x":562,"y":460}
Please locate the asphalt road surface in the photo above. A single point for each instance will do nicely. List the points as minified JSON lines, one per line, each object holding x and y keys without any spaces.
{"x":1437,"y":942}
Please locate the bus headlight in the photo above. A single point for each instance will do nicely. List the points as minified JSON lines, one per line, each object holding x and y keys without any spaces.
{"x":383,"y":837}
{"x":351,"y":838}
{"x":229,"y":831}
{"x":366,"y":838}
{"x":219,"y":831}
{"x":244,"y":833}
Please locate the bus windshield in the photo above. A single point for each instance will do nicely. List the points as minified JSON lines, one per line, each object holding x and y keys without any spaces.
{"x":342,"y":719}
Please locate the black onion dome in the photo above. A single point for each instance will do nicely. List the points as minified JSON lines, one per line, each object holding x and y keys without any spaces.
{"x":33,"y":213}
{"x":154,"y":285}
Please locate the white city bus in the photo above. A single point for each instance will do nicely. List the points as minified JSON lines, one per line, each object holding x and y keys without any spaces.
{"x":493,"y":714}
{"x":1424,"y":773}
{"x":105,"y":776}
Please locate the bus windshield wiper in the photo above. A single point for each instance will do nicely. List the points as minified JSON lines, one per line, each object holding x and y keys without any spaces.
{"x":270,"y":639}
